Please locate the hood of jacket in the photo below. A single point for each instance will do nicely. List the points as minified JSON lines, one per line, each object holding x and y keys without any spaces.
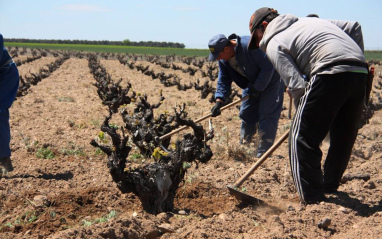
{"x":276,"y":26}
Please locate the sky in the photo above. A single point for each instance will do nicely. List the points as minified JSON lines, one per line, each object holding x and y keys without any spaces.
{"x":192,"y":23}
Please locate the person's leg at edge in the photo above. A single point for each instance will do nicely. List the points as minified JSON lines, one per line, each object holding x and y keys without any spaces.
{"x":5,"y":138}
{"x":313,"y":119}
{"x":9,"y":83}
{"x":343,"y":132}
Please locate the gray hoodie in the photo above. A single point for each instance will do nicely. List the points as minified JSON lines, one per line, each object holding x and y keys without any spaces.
{"x":300,"y":48}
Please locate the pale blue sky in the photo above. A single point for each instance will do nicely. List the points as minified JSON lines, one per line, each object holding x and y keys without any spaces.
{"x":192,"y":23}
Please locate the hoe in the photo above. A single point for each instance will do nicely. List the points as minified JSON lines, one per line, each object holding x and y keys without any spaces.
{"x":234,"y":189}
{"x":163,"y":137}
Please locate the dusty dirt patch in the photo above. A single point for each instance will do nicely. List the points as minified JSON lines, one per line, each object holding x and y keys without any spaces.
{"x":72,"y":195}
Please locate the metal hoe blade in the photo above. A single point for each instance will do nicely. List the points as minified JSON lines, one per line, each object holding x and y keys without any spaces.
{"x":243,"y":197}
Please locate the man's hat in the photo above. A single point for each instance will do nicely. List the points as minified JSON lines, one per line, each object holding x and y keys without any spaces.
{"x":255,"y":21}
{"x":312,"y":15}
{"x":216,"y":45}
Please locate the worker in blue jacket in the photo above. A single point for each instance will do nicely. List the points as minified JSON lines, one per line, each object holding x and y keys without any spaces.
{"x":9,"y":84}
{"x":254,"y":73}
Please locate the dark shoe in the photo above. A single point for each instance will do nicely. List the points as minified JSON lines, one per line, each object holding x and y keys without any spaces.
{"x":6,"y":163}
{"x":315,"y":199}
{"x":330,"y":190}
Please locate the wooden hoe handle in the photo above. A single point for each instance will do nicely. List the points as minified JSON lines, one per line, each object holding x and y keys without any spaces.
{"x":290,"y":107}
{"x":201,"y":119}
{"x":239,"y":182}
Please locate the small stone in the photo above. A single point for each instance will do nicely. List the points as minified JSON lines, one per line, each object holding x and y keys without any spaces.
{"x":57,"y":223}
{"x":369,"y":153}
{"x":166,"y":227}
{"x":361,"y":198}
{"x":291,"y":208}
{"x":163,"y":217}
{"x":324,"y":223}
{"x":302,"y":207}
{"x":182,"y":212}
{"x":40,"y":201}
{"x":223,"y":216}
{"x":135,"y":214}
{"x":344,"y":210}
{"x":369,"y":185}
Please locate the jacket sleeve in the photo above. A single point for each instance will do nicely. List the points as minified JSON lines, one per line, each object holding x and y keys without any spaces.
{"x":266,"y":71}
{"x":288,"y":70}
{"x":224,"y":84}
{"x":1,"y":46}
{"x":353,"y":29}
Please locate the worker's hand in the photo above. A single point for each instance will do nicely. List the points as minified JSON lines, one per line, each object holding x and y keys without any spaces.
{"x":254,"y":93}
{"x":215,"y":111}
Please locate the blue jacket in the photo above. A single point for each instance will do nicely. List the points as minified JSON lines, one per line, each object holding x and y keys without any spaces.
{"x":1,"y":46}
{"x":9,"y":78}
{"x":4,"y":56}
{"x":255,"y":65}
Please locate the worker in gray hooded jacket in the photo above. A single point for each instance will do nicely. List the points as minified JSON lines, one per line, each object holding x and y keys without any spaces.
{"x":323,"y":66}
{"x":254,"y":73}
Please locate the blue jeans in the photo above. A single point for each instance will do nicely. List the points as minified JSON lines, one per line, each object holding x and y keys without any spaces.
{"x":249,"y":114}
{"x":263,"y":111}
{"x":9,"y":84}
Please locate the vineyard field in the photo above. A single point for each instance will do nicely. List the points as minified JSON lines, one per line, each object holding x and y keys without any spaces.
{"x":115,"y":49}
{"x":369,"y":55}
{"x":62,"y":185}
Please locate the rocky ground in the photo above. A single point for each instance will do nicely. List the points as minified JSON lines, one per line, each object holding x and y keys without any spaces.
{"x":61,"y":186}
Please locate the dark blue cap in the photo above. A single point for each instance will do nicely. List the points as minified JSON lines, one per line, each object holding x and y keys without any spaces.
{"x":216,"y":45}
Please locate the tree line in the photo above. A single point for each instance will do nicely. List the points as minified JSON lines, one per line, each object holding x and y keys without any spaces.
{"x":125,"y":42}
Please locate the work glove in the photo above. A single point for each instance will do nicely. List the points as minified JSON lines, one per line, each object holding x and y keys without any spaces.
{"x":215,"y":111}
{"x":253,"y":93}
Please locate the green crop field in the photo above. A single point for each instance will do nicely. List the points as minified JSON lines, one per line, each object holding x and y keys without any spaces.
{"x":115,"y":49}
{"x":370,"y":55}
{"x":373,"y":55}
